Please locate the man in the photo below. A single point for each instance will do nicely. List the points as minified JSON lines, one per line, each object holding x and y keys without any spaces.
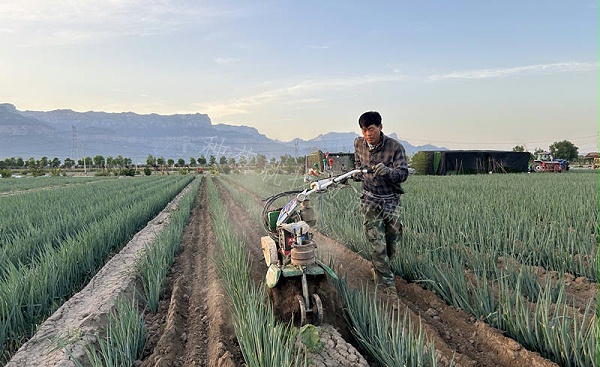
{"x":380,"y":201}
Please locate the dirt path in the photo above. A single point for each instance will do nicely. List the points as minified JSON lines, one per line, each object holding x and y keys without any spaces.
{"x":193,"y":326}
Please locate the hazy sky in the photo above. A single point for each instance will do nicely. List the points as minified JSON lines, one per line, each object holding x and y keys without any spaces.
{"x":461,"y":74}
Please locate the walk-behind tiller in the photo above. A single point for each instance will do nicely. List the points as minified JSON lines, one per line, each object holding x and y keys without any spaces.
{"x":289,"y":249}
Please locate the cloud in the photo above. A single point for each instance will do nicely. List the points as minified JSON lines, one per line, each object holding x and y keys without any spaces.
{"x":298,"y":93}
{"x":304,"y":91}
{"x":507,"y":72}
{"x":227,"y":60}
{"x":73,"y":21}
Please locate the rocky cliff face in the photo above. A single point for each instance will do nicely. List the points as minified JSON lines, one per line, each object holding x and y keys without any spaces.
{"x":67,"y":133}
{"x":12,"y":123}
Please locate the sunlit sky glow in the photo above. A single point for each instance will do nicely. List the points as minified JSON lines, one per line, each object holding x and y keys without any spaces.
{"x":461,"y":74}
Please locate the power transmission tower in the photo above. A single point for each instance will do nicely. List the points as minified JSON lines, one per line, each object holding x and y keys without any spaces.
{"x":73,"y":142}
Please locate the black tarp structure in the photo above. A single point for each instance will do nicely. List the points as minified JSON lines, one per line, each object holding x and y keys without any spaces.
{"x":448,"y":162}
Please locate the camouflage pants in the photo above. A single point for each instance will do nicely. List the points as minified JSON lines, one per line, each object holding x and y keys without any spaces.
{"x":383,"y":228}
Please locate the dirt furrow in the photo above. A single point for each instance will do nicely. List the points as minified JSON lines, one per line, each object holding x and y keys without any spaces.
{"x":193,"y":326}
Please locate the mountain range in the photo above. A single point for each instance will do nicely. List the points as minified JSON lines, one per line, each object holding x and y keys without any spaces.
{"x":66,"y":133}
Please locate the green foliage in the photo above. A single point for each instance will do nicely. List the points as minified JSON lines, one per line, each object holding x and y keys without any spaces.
{"x":390,"y":340}
{"x":420,"y":162}
{"x":122,"y":343}
{"x":36,"y":171}
{"x":309,"y":335}
{"x":458,"y":243}
{"x":366,"y":318}
{"x":158,"y":258}
{"x":104,"y":173}
{"x":151,"y":160}
{"x":564,"y":150}
{"x":263,"y":340}
{"x":126,"y":172}
{"x":44,"y":260}
{"x":5,"y":173}
{"x":55,"y":172}
{"x":147,"y":171}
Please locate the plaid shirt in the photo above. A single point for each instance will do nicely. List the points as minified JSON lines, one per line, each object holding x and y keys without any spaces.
{"x":389,"y":152}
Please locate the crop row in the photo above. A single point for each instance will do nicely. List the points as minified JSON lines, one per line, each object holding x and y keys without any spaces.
{"x":262,"y":340}
{"x":89,"y":222}
{"x":42,"y":220}
{"x":458,"y":227}
{"x":389,"y":340}
{"x":121,"y":342}
{"x":11,"y":185}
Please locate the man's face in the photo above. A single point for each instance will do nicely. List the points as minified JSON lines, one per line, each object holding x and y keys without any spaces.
{"x":372,"y":133}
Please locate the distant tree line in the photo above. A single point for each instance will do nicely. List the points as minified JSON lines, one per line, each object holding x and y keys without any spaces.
{"x":120,"y":165}
{"x":559,"y":149}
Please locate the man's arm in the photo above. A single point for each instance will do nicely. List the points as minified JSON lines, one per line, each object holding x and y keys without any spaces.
{"x":399,"y":169}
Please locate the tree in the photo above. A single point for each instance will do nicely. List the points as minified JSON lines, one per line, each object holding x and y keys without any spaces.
{"x":564,"y":150}
{"x":518,"y":148}
{"x":222,"y":160}
{"x":170,"y":162}
{"x":31,"y":162}
{"x":69,"y":163}
{"x":55,"y":163}
{"x":261,"y":161}
{"x":212,"y":160}
{"x":118,"y":161}
{"x":420,"y":162}
{"x":202,"y":160}
{"x":10,"y":162}
{"x":150,"y":161}
{"x":99,"y":161}
{"x":181,"y":162}
{"x":192,"y":162}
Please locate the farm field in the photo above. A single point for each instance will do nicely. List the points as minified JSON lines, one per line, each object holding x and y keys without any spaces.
{"x":13,"y":185}
{"x":53,"y":240}
{"x":513,"y":256}
{"x":486,"y":263}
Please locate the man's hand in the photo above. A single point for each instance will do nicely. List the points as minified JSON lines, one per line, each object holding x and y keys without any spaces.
{"x":381,"y":170}
{"x":358,"y":176}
